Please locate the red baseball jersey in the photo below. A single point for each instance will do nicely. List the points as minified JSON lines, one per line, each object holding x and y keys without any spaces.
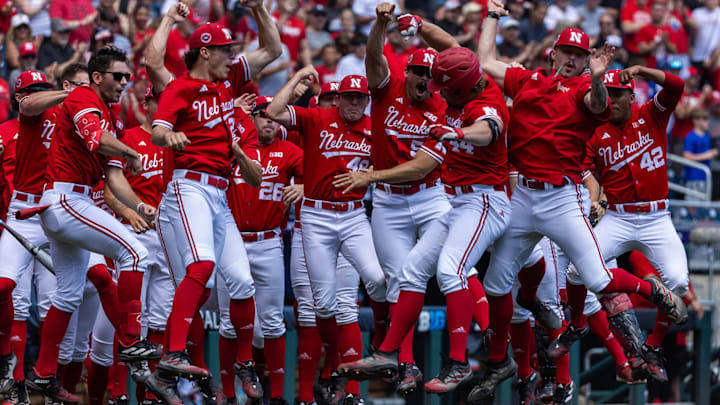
{"x":332,"y":146}
{"x":630,"y":158}
{"x":467,"y":164}
{"x":400,"y":127}
{"x":9,"y":135}
{"x":291,"y":34}
{"x":34,"y":138}
{"x":262,"y":209}
{"x":246,"y":134}
{"x":98,"y":197}
{"x":69,"y":160}
{"x":550,"y":124}
{"x":148,"y":184}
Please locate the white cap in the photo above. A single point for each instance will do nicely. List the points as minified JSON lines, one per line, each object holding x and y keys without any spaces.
{"x":452,"y":4}
{"x":19,"y":19}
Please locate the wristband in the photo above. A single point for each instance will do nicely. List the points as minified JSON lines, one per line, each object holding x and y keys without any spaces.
{"x":140,"y":205}
{"x":493,"y":14}
{"x":603,"y":203}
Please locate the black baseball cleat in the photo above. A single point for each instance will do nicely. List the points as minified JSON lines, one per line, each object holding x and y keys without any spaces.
{"x":655,"y":363}
{"x":7,"y":367}
{"x":561,"y":345}
{"x":667,"y":301}
{"x":139,"y":370}
{"x":336,"y":391}
{"x":452,"y":374}
{"x":378,"y":365}
{"x":164,"y":386}
{"x":178,"y":364}
{"x":119,"y":400}
{"x":494,"y":375}
{"x":564,"y":393}
{"x":50,"y":387}
{"x":246,"y":375}
{"x":140,"y":350}
{"x":278,"y":401}
{"x":527,"y":387}
{"x":542,"y":312}
{"x":211,"y":393}
{"x":353,"y":399}
{"x":408,"y":379}
{"x":321,"y":390}
{"x":546,"y":394}
{"x":19,"y":394}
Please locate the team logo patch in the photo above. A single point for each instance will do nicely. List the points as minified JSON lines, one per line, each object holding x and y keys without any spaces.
{"x":18,"y":82}
{"x":205,"y":38}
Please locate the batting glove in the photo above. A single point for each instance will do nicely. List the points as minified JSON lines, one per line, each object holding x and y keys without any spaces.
{"x":409,"y":25}
{"x":445,"y":133}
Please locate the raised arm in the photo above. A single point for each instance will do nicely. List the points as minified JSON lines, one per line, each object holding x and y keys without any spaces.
{"x":486,"y":49}
{"x":35,"y":103}
{"x":269,"y":45}
{"x":250,"y":169}
{"x":596,"y":100}
{"x":436,"y":37}
{"x":376,"y":65}
{"x":277,"y":109}
{"x":159,"y":75}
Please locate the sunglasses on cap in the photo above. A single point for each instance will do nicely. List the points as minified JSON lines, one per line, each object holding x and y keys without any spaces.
{"x":118,"y":76}
{"x":420,"y":70}
{"x":34,"y":88}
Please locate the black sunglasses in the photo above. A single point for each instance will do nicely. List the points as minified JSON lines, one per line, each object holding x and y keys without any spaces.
{"x":118,"y":76}
{"x":77,"y":83}
{"x":420,"y":70}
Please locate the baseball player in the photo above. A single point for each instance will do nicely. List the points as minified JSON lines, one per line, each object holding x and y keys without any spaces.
{"x":85,"y":134}
{"x":628,"y":154}
{"x":474,"y":126}
{"x":553,"y":117}
{"x":8,"y":135}
{"x":335,"y":141}
{"x":402,"y":109}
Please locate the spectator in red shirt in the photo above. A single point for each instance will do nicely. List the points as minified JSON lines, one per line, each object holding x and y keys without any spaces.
{"x":4,"y":101}
{"x":691,"y":99}
{"x":330,"y":58}
{"x":235,"y":20}
{"x":292,"y":31}
{"x":177,"y":44}
{"x":140,"y":33}
{"x":76,"y":15}
{"x":653,"y":40}
{"x":634,"y":15}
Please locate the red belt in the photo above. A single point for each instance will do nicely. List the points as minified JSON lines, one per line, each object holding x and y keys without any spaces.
{"x":212,"y":181}
{"x":406,"y":190}
{"x":256,"y":236}
{"x":469,"y":189}
{"x":334,"y":206}
{"x":639,"y":208}
{"x":25,"y":197}
{"x":76,"y":188}
{"x":297,"y":224}
{"x":541,"y":185}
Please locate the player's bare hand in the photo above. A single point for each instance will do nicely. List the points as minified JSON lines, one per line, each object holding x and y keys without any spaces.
{"x":498,"y":7}
{"x":307,"y":73}
{"x":353,"y":180}
{"x":133,"y":165}
{"x":251,"y":3}
{"x":179,"y":12}
{"x":385,"y":12}
{"x":238,"y":150}
{"x":293,"y":193}
{"x":245,"y":102}
{"x":626,"y":75}
{"x":600,"y":59}
{"x":138,"y":223}
{"x":597,"y":211}
{"x":176,"y":140}
{"x":516,"y":64}
{"x":697,"y":306}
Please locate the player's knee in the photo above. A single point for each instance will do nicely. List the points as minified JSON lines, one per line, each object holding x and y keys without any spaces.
{"x":376,"y":288}
{"x":68,"y":302}
{"x":226,"y":330}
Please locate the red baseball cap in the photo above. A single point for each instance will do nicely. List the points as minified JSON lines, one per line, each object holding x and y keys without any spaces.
{"x":422,"y":57}
{"x":313,"y":102}
{"x":261,"y":103}
{"x":573,"y":37}
{"x":611,"y":79}
{"x":103,"y":34}
{"x":455,"y":68}
{"x":31,"y":78}
{"x":210,"y":34}
{"x":329,"y":88}
{"x":27,"y":48}
{"x":354,"y":84}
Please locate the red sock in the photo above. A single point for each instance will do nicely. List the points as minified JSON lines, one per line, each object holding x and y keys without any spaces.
{"x":405,"y":354}
{"x":6,"y":314}
{"x":71,"y":375}
{"x":18,"y":339}
{"x":481,"y":315}
{"x":530,"y":278}
{"x":407,"y":310}
{"x":534,"y":363}
{"x":623,"y":281}
{"x":350,"y":345}
{"x":56,"y":323}
{"x":129,"y":287}
{"x":228,"y":351}
{"x":600,"y":327}
{"x":380,"y":318}
{"x":502,"y":309}
{"x":119,"y":377}
{"x":156,"y":336}
{"x":576,"y":302}
{"x":185,"y":303}
{"x":97,"y":381}
{"x":107,"y":290}
{"x":328,"y":329}
{"x":242,"y":316}
{"x":660,"y":329}
{"x":520,"y":336}
{"x":309,"y":347}
{"x":258,"y":356}
{"x":640,"y":265}
{"x":196,"y":341}
{"x":562,"y":364}
{"x":275,"y":360}
{"x":458,"y":322}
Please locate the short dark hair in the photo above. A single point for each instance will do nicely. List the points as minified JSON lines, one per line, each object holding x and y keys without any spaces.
{"x":191,"y":57}
{"x":70,"y":71}
{"x":102,"y":58}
